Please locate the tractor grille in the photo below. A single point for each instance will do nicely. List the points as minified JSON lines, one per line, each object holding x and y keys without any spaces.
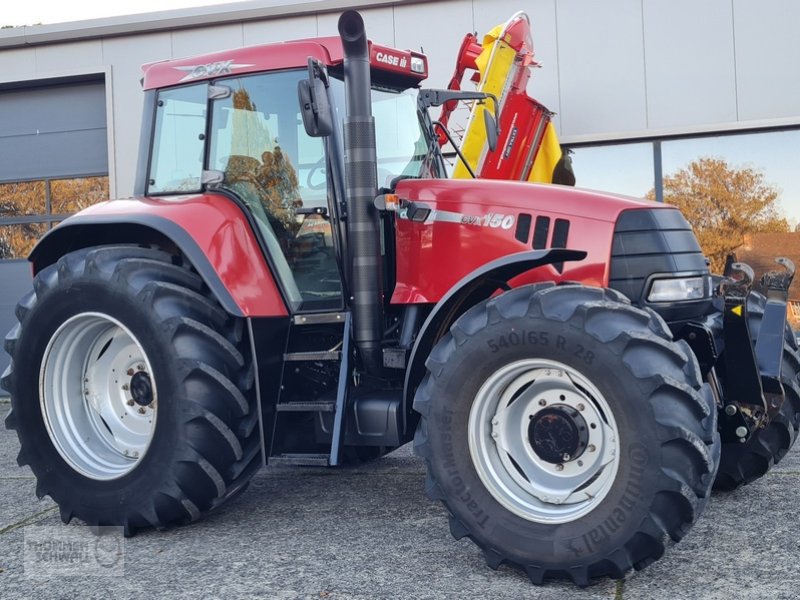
{"x":649,"y":242}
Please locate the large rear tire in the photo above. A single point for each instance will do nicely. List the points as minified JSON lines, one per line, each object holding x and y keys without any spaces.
{"x":743,"y":463}
{"x":565,"y":433}
{"x":131,"y":390}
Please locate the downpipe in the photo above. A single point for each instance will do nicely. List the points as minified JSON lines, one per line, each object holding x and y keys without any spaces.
{"x":361,"y":187}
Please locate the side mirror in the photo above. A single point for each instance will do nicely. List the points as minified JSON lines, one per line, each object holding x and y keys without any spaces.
{"x":314,"y":106}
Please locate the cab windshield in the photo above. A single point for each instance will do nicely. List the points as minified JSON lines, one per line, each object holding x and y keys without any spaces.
{"x":401,"y":141}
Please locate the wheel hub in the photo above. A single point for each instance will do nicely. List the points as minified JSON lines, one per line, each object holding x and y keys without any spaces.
{"x":102,"y":421}
{"x":558,"y":434}
{"x":543,"y":440}
{"x":142,"y":389}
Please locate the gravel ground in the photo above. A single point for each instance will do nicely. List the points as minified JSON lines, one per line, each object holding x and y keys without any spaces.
{"x":370,"y":533}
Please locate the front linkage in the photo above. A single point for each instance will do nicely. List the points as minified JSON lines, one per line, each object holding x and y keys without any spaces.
{"x":744,"y":341}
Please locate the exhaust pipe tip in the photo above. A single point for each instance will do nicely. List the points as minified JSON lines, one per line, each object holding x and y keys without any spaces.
{"x":352,"y":31}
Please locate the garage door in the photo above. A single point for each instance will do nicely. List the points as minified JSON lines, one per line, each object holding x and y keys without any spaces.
{"x":55,"y":162}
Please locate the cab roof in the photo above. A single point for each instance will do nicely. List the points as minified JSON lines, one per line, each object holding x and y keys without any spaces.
{"x":389,"y":65}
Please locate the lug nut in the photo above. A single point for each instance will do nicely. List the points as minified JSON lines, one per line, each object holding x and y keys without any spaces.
{"x":141,"y":410}
{"x":130,"y":402}
{"x":130,"y":372}
{"x":581,"y":407}
{"x":741,"y":431}
{"x":495,"y":422}
{"x":494,"y":434}
{"x":542,"y":402}
{"x":559,"y":467}
{"x":565,"y":457}
{"x":730,"y":410}
{"x":591,"y":448}
{"x":126,"y":387}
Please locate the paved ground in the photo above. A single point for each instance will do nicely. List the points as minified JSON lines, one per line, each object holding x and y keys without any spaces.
{"x":369,"y":533}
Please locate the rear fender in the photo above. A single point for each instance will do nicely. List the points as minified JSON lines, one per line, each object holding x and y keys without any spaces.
{"x":228,"y":258}
{"x":479,"y":285}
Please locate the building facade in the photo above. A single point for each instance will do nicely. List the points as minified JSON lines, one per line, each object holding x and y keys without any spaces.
{"x":640,"y":89}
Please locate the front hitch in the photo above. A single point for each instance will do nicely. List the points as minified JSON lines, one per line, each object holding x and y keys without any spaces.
{"x":753,"y":391}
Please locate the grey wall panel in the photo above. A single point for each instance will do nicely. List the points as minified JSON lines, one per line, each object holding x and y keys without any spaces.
{"x":126,"y":56}
{"x":689,"y":62}
{"x":69,"y":56}
{"x":601,"y":66}
{"x":15,"y":281}
{"x":438,"y":28}
{"x":544,"y":81}
{"x":53,"y":131}
{"x":52,"y":109}
{"x":62,"y":154}
{"x":189,"y":43}
{"x":17,"y":64}
{"x":767,"y":56}
{"x":277,"y":30}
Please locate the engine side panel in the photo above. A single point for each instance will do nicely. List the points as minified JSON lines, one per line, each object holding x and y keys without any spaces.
{"x":210,"y":230}
{"x":474,"y":222}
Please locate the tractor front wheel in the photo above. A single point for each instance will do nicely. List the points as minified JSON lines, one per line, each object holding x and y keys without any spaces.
{"x":131,"y":390}
{"x":566,"y":433}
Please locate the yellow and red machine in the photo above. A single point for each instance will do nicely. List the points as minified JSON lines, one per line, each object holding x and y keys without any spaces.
{"x":528,"y":148}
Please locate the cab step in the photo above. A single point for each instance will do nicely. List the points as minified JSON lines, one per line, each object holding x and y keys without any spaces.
{"x":312,"y":356}
{"x":315,"y":406}
{"x":300,"y":460}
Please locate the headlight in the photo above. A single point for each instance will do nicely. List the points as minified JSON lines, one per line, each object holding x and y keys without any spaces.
{"x":675,"y":290}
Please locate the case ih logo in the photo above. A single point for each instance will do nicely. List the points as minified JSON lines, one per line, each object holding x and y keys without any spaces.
{"x":215,"y":69}
{"x":391,"y":59}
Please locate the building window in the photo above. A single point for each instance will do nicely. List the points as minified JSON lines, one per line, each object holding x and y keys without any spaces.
{"x":28,"y":209}
{"x":619,"y":168}
{"x":637,"y":168}
{"x":775,"y":154}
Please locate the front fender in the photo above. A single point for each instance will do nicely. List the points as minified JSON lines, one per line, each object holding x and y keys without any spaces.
{"x":479,"y":285}
{"x":210,"y":230}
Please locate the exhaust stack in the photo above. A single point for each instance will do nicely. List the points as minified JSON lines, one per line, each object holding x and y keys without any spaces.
{"x":361,"y":187}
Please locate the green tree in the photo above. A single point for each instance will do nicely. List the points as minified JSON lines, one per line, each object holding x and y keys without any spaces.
{"x":723,"y":204}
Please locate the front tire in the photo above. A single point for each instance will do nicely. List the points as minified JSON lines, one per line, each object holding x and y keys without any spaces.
{"x":565,"y":433}
{"x":131,"y":390}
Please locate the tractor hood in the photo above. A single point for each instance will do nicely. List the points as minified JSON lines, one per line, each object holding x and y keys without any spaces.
{"x":464,"y":224}
{"x":472,"y":194}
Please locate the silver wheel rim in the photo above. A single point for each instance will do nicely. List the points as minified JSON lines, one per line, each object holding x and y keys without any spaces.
{"x":94,"y":395}
{"x":503,"y":455}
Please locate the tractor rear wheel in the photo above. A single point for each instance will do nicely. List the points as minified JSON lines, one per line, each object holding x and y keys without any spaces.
{"x":743,"y":463}
{"x":565,"y":433}
{"x":131,"y":390}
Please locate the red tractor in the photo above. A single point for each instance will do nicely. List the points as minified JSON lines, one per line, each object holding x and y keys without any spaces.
{"x":296,"y":282}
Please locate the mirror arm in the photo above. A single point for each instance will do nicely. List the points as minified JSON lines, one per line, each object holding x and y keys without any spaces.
{"x":455,"y":147}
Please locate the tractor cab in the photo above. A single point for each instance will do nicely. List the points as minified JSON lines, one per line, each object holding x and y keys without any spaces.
{"x":231,"y":123}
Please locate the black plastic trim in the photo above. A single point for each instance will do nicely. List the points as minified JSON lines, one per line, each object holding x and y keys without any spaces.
{"x":541,"y":231}
{"x":523,"y":230}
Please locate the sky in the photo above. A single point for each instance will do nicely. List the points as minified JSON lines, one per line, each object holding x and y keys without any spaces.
{"x":46,"y":12}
